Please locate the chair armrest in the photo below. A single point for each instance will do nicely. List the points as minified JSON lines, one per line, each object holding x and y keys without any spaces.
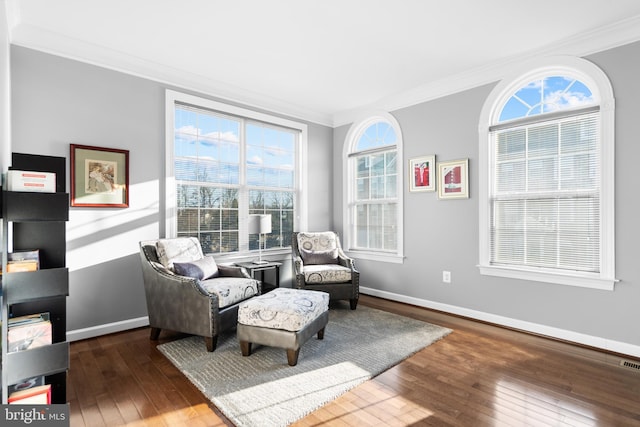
{"x":298,"y":265}
{"x":345,"y":261}
{"x":235,"y":271}
{"x":167,"y":277}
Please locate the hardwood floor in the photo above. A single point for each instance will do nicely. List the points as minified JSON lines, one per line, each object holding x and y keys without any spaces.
{"x":479,"y":375}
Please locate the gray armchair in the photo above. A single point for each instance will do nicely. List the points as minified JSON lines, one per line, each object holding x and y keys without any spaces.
{"x":188,"y":292}
{"x":321,"y":265}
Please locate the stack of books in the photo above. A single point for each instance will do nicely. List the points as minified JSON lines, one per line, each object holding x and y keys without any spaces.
{"x":23,"y":261}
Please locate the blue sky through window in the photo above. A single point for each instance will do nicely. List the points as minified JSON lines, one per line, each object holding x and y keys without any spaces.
{"x":546,"y":95}
{"x":377,"y":135}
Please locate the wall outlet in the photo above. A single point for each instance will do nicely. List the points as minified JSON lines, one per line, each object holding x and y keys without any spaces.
{"x":446,"y":277}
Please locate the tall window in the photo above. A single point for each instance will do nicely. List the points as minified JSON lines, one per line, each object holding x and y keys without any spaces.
{"x":373,"y":219}
{"x":225,"y":163}
{"x":544,"y":212}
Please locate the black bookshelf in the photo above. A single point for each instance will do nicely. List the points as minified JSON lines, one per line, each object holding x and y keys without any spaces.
{"x":37,"y":221}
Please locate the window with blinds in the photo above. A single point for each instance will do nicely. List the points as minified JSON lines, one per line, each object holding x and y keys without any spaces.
{"x":374,"y":190}
{"x":227,"y":167}
{"x":545,"y":203}
{"x":547,"y":176}
{"x":375,"y":203}
{"x":207,"y":174}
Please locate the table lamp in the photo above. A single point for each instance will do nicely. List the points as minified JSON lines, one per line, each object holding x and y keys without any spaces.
{"x":260,"y":224}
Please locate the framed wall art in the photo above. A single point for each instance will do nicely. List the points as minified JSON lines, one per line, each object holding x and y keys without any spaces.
{"x":99,"y":177}
{"x":422,"y":173}
{"x":453,"y":179}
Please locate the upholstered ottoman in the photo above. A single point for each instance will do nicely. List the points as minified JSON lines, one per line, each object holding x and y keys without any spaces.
{"x":284,"y":318}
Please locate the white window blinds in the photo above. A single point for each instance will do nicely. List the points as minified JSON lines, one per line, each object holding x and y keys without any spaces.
{"x":544,"y":198}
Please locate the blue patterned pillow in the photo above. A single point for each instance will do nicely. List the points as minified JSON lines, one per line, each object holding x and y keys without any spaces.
{"x":202,"y":269}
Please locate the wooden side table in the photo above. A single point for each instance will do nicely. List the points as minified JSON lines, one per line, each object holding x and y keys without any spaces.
{"x":253,"y":268}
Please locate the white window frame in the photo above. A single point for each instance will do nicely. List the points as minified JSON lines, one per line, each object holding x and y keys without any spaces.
{"x":349,"y":171}
{"x":599,"y":83}
{"x":301,"y":191}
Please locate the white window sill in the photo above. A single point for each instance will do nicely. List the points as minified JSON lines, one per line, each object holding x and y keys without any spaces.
{"x":583,"y":280}
{"x":376,"y":256}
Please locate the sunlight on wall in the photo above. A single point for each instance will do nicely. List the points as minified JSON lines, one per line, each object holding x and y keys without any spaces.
{"x":98,"y":235}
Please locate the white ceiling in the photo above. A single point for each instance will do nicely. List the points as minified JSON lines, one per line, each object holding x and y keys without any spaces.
{"x":323,"y":60}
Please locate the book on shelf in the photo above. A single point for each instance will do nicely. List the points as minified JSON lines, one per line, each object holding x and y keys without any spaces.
{"x":28,"y":260}
{"x":27,"y":332}
{"x":20,"y":266}
{"x":38,"y":395}
{"x":30,"y":181}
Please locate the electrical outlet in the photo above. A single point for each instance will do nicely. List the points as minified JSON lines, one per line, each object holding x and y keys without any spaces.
{"x":446,"y":277}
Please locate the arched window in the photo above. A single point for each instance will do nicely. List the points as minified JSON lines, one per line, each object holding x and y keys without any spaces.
{"x":546,"y":178}
{"x":373,"y":193}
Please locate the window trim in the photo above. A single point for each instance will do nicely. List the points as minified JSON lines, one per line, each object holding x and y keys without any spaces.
{"x":301,"y":181}
{"x":597,"y":80}
{"x":356,"y":129}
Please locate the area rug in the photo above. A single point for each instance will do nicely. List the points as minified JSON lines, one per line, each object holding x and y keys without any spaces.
{"x":263,"y":390}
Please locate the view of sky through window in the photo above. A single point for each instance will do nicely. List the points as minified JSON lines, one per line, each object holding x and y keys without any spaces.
{"x":546,"y":95}
{"x":376,"y":135}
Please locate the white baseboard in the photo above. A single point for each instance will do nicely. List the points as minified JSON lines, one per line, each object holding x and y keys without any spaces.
{"x":109,"y":328}
{"x":562,"y":334}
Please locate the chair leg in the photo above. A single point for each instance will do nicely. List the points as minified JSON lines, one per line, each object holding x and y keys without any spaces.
{"x":353,"y":302}
{"x":155,"y":333}
{"x":321,"y":334}
{"x":211,"y":343}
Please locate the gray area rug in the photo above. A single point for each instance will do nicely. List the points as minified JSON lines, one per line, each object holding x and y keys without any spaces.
{"x":263,"y":390}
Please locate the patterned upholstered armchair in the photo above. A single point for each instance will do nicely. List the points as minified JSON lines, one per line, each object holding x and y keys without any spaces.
{"x":321,"y":265}
{"x":188,"y":292}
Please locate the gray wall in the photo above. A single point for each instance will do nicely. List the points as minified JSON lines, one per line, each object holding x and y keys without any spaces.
{"x":56,"y":102}
{"x":443,"y":234}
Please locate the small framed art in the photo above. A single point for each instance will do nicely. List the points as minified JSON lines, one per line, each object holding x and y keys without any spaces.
{"x":453,"y":179}
{"x":422,"y":173}
{"x":99,"y":177}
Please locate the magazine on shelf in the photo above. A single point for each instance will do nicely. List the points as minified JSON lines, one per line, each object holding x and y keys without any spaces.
{"x":27,"y":332}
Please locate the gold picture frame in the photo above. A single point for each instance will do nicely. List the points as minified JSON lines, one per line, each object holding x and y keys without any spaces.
{"x":453,"y":179}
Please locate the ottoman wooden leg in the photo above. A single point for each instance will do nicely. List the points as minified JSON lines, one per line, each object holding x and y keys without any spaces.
{"x":245,"y":347}
{"x":321,"y":334}
{"x":292,"y":357}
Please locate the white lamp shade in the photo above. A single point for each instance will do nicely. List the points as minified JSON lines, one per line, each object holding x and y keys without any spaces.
{"x":259,"y":224}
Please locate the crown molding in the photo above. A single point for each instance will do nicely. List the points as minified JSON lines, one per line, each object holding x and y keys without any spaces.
{"x":36,"y":38}
{"x":12,"y":13}
{"x":21,"y":34}
{"x":598,"y":40}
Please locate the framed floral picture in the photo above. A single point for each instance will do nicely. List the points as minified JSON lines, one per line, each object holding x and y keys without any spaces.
{"x":422,"y":173}
{"x":453,"y":179}
{"x":99,"y":177}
